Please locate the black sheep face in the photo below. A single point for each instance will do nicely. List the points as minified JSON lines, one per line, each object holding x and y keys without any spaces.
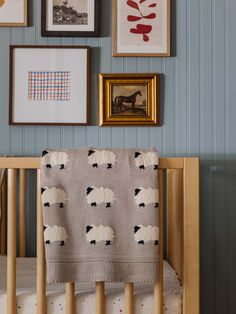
{"x":43,"y":190}
{"x":136,"y":229}
{"x":90,"y":152}
{"x":88,"y":228}
{"x":45,"y":152}
{"x":89,"y":190}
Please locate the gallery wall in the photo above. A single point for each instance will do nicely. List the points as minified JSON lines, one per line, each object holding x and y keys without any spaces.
{"x":198,"y":115}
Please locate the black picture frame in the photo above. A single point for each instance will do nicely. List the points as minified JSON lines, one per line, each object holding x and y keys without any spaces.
{"x":12,"y":62}
{"x":47,"y":33}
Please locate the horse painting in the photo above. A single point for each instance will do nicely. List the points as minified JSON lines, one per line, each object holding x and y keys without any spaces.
{"x":119,"y":100}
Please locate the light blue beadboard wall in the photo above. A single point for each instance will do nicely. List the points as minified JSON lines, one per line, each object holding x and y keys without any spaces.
{"x":198,"y":109}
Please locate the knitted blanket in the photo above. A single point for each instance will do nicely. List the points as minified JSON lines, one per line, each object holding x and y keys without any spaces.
{"x":101,"y":218}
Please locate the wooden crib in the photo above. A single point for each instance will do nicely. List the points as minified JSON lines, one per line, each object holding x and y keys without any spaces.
{"x":179,"y":195}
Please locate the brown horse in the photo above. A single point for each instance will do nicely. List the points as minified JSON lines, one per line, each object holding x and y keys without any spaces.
{"x":119,"y":100}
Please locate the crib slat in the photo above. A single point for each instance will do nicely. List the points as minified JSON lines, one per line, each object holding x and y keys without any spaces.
{"x":41,"y":272}
{"x":22,"y":214}
{"x":11,"y":243}
{"x":129,"y":298}
{"x":191,"y":271}
{"x":158,"y":287}
{"x":70,"y":298}
{"x":175,"y":220}
{"x":100,"y":298}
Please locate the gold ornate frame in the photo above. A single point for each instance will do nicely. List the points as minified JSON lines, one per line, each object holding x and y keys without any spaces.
{"x":106,"y":118}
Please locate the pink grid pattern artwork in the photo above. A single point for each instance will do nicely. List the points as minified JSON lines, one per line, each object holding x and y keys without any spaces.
{"x":49,"y":85}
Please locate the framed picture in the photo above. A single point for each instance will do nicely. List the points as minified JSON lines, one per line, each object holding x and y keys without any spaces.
{"x":141,"y":28}
{"x":128,"y":99}
{"x":13,"y":13}
{"x":70,"y":18}
{"x":49,"y":85}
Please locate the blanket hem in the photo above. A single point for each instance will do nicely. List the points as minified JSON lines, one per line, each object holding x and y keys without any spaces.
{"x":100,"y":271}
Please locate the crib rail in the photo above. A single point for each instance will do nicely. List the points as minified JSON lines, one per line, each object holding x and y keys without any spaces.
{"x":182,"y":235}
{"x":3,"y":211}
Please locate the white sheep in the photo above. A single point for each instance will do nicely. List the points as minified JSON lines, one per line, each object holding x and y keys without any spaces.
{"x":144,"y":160}
{"x":52,"y":196}
{"x":143,"y":234}
{"x":100,"y":233}
{"x":96,"y":196}
{"x":145,"y":197}
{"x":100,"y":157}
{"x":54,"y":234}
{"x":54,"y":158}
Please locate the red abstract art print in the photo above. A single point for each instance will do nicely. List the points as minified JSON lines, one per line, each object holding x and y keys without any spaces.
{"x":143,"y":13}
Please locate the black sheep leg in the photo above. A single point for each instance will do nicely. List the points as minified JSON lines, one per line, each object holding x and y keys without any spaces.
{"x":141,"y":242}
{"x":141,"y":205}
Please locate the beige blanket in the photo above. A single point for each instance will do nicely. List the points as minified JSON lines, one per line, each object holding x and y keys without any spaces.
{"x":101,"y":214}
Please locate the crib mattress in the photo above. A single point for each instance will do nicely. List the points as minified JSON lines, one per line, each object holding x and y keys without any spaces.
{"x":85,"y":297}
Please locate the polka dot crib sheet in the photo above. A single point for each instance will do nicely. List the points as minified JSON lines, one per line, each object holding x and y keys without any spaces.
{"x":85,"y":297}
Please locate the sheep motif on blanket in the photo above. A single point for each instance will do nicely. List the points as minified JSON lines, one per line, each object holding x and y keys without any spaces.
{"x":97,"y":196}
{"x":52,"y":159}
{"x":55,"y":234}
{"x":51,"y":196}
{"x":101,"y":214}
{"x":100,"y":233}
{"x":144,"y":234}
{"x":98,"y":158}
{"x":144,"y":160}
{"x":144,"y":197}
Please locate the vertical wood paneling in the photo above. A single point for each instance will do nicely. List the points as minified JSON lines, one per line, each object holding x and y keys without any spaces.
{"x":4,"y":60}
{"x":230,"y":150}
{"x":219,"y":186}
{"x":181,"y":76}
{"x":193,"y":76}
{"x":206,"y":151}
{"x":197,"y":113}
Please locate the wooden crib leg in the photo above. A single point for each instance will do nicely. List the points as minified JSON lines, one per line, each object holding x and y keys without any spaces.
{"x":129,"y":298}
{"x":11,"y":243}
{"x":70,"y":298}
{"x":100,"y":298}
{"x":41,"y":272}
{"x":158,"y":287}
{"x":22,"y":214}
